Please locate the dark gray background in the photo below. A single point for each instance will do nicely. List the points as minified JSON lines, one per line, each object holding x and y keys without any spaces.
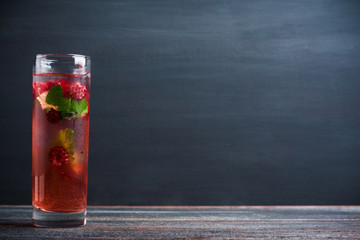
{"x":196,"y":102}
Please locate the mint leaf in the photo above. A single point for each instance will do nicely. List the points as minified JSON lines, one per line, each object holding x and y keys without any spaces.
{"x":56,"y":99}
{"x":63,"y":104}
{"x":79,"y":107}
{"x":54,"y":96}
{"x":69,"y":108}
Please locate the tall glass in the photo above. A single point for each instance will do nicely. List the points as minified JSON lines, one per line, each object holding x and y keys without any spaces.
{"x":60,"y":139}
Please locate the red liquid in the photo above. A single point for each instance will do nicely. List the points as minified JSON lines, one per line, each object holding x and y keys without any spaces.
{"x":55,"y":187}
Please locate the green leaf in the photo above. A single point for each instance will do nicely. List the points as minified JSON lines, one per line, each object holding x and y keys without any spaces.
{"x":79,"y":107}
{"x":69,"y":108}
{"x":63,"y":104}
{"x":54,"y":96}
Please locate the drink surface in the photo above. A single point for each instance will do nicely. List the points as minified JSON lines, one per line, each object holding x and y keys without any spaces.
{"x":60,"y":136}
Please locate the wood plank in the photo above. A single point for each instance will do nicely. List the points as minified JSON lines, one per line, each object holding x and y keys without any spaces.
{"x":223,"y":222}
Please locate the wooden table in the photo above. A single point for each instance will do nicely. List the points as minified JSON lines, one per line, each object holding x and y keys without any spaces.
{"x":262,"y":222}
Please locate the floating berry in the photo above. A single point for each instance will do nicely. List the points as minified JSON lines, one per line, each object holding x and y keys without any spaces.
{"x":53,"y":116}
{"x":77,"y":91}
{"x":58,"y":156}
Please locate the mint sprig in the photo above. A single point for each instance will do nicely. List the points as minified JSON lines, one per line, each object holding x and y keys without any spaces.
{"x":55,"y":98}
{"x":67,"y":107}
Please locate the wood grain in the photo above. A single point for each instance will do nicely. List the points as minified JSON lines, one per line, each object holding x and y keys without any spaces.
{"x":196,"y":222}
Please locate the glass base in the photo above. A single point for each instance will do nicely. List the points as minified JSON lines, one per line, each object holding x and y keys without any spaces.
{"x":58,"y":219}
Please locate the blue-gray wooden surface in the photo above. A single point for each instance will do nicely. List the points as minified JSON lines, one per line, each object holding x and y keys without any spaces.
{"x":311,"y":222}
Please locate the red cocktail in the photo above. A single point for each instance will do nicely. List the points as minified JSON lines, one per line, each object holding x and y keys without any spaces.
{"x":61,"y":103}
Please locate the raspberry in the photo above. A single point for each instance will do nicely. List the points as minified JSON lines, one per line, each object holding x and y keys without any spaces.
{"x":53,"y":116}
{"x":77,"y":91}
{"x":58,"y":156}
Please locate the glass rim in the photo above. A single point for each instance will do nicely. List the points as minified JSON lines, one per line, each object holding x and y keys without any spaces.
{"x":42,"y":55}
